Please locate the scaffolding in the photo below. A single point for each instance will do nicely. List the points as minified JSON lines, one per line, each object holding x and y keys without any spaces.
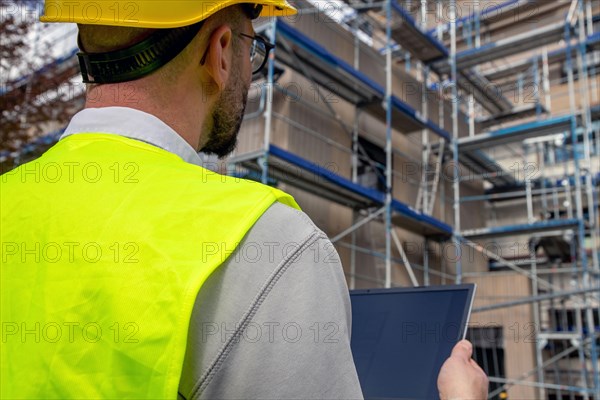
{"x":568,"y":200}
{"x":476,"y":146}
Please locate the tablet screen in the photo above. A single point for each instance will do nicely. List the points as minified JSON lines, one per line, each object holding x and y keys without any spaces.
{"x":402,"y":336}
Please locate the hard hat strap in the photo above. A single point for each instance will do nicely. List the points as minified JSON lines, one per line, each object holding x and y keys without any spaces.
{"x":139,"y":60}
{"x":252,"y":11}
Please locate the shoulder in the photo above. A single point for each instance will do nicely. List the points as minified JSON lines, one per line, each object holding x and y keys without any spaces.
{"x":284,"y":222}
{"x":285,"y":274}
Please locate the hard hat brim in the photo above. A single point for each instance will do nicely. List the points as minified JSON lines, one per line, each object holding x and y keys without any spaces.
{"x":151,"y":14}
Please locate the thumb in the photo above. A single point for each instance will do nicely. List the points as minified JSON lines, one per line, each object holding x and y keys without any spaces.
{"x":463,"y":350}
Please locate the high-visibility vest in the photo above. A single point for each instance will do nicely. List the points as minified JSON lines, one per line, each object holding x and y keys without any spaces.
{"x":106,"y":242}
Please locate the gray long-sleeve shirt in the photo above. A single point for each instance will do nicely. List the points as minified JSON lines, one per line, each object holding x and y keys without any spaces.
{"x":273,"y":322}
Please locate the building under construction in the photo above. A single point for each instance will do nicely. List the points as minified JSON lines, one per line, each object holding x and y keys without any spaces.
{"x":435,"y":142}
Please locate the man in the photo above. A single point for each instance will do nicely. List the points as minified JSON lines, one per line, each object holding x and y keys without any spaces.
{"x":129,"y":271}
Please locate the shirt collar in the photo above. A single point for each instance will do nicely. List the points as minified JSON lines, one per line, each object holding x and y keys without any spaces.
{"x":134,"y":124}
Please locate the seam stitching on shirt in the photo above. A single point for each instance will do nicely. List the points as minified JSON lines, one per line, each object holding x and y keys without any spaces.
{"x":306,"y":219}
{"x":215,"y":366}
{"x":310,"y":222}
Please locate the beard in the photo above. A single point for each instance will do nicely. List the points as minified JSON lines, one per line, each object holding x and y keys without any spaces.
{"x":227,"y":116}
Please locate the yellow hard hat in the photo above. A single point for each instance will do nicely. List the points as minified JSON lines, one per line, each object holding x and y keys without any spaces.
{"x":176,"y":23}
{"x":149,"y":13}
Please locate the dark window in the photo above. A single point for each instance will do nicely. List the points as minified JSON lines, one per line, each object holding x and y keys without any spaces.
{"x":488,"y":351}
{"x":371,"y":165}
{"x":567,"y":396}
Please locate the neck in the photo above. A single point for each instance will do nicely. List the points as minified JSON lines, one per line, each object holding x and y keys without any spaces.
{"x":177,"y":111}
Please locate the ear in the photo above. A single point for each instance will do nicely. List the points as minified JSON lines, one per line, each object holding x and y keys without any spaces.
{"x":219,"y":60}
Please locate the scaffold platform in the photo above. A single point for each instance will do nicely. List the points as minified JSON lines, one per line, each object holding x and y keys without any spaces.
{"x":516,"y":133}
{"x":520,"y":229}
{"x":303,"y":54}
{"x":294,"y":170}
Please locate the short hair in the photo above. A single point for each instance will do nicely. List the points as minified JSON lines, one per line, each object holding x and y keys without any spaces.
{"x":102,"y":38}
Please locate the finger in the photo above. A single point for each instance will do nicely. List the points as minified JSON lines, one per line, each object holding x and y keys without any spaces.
{"x":476,"y":366}
{"x":463,"y":350}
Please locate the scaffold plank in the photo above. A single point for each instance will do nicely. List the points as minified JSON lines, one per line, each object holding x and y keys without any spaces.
{"x":506,"y":47}
{"x":513,"y":69}
{"x":494,"y":11}
{"x":492,"y":99}
{"x":520,"y":112}
{"x":516,"y":133}
{"x":516,"y":191}
{"x":420,"y":44}
{"x":522,"y":229}
{"x":342,"y":79}
{"x":294,"y":170}
{"x":490,"y":170}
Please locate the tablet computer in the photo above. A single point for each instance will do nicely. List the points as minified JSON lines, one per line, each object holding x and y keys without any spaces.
{"x":402,"y":336}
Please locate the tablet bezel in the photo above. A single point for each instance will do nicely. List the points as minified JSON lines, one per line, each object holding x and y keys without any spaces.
{"x":470,"y":288}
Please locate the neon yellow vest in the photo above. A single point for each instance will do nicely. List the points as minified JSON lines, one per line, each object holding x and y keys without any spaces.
{"x":106,"y":242}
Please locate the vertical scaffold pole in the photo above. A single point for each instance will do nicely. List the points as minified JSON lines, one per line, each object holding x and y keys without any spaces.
{"x":529,"y":196}
{"x":355,"y":213}
{"x":587,"y":118}
{"x":425,"y":145}
{"x":388,"y":146}
{"x":425,"y":100}
{"x":536,"y":80}
{"x":596,"y":57}
{"x":546,"y":72}
{"x":477,"y":25}
{"x":269,"y":107}
{"x":355,"y":160}
{"x":573,"y":110}
{"x":536,"y":321}
{"x":441,"y":117}
{"x":455,"y":166}
{"x":579,"y":208}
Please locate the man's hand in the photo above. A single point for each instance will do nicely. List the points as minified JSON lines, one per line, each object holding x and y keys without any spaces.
{"x":461,"y":377}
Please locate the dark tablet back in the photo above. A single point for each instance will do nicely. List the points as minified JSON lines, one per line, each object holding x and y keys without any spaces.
{"x":402,"y":336}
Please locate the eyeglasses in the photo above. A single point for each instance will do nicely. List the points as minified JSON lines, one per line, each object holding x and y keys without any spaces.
{"x":259,"y":52}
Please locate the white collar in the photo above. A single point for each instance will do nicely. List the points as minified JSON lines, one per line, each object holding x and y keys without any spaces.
{"x":134,"y":124}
